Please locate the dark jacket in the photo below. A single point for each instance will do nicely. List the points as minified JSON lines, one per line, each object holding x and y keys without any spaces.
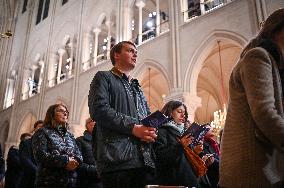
{"x":52,"y":148}
{"x":28,"y":164}
{"x":212,"y":174}
{"x":172,"y":165}
{"x":2,"y":165}
{"x":14,"y":171}
{"x":87,"y":171}
{"x":116,"y":104}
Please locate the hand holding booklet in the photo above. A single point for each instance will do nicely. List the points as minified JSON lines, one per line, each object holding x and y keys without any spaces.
{"x":197,"y":131}
{"x":156,"y":119}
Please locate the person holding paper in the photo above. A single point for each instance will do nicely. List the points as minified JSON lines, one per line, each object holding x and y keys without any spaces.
{"x":122,"y":148}
{"x":173,"y":167}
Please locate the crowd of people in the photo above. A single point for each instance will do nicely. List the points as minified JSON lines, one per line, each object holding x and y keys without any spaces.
{"x":118,"y":151}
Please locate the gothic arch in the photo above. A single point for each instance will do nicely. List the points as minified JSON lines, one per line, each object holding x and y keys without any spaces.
{"x":152,"y":63}
{"x":62,"y":100}
{"x":202,"y":52}
{"x":154,"y":82}
{"x":26,"y":124}
{"x":67,"y":28}
{"x":82,"y":116}
{"x":65,"y":40}
{"x":4,"y":134}
{"x":100,"y":20}
{"x":207,"y":77}
{"x":38,"y":46}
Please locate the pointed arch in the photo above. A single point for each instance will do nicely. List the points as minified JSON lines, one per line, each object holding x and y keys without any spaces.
{"x":100,"y":20}
{"x":4,"y":134}
{"x":152,"y":63}
{"x":154,"y":82}
{"x":26,"y":124}
{"x":202,"y":52}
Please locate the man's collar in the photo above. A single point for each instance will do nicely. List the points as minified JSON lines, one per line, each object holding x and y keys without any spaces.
{"x":119,"y":73}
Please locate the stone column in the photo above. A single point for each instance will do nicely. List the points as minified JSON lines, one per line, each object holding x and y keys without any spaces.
{"x":9,"y":92}
{"x":202,"y":7}
{"x":25,"y":87}
{"x":86,"y":51}
{"x":71,"y":57}
{"x":185,"y":10}
{"x":51,"y":70}
{"x":32,"y":80}
{"x":13,"y":85}
{"x":158,"y":19}
{"x":60,"y":52}
{"x":41,"y":64}
{"x":109,"y":24}
{"x":96,"y":45}
{"x":140,"y":4}
{"x":175,"y":44}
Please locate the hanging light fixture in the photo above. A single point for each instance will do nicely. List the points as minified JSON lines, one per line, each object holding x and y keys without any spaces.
{"x":220,"y":115}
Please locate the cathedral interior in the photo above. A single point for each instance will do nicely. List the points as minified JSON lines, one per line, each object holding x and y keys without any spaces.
{"x":51,"y":49}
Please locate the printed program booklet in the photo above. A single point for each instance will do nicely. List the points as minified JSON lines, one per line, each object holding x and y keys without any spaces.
{"x":197,"y":131}
{"x":156,"y":119}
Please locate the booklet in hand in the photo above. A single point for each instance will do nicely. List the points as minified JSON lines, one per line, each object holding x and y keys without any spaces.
{"x":156,"y":119}
{"x":197,"y":131}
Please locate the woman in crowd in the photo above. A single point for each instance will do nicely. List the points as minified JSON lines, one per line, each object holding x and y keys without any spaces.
{"x":254,"y":128}
{"x":55,"y":151}
{"x":211,"y":159}
{"x":173,"y":167}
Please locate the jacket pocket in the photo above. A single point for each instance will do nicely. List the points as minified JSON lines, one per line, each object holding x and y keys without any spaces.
{"x":117,"y":151}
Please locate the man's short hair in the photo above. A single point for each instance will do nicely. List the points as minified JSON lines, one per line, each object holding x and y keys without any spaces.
{"x":37,"y":123}
{"x":117,"y":49}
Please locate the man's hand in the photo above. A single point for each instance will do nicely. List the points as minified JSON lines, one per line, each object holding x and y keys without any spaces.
{"x":147,"y":134}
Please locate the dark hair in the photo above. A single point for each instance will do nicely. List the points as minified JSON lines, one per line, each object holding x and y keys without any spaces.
{"x":37,"y":123}
{"x":117,"y":49}
{"x":272,"y":25}
{"x":171,"y":106}
{"x":24,"y":135}
{"x":49,"y":116}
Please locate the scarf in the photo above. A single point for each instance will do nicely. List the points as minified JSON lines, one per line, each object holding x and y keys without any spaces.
{"x":179,"y":127}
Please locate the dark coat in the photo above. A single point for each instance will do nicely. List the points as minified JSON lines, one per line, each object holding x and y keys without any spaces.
{"x":28,"y":164}
{"x":116,"y":104}
{"x":52,"y":148}
{"x":2,"y":165}
{"x":87,"y":171}
{"x":172,"y":165}
{"x":212,"y":175}
{"x":14,"y":171}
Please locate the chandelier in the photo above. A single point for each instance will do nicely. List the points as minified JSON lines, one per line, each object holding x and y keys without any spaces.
{"x":7,"y":34}
{"x":219,"y":120}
